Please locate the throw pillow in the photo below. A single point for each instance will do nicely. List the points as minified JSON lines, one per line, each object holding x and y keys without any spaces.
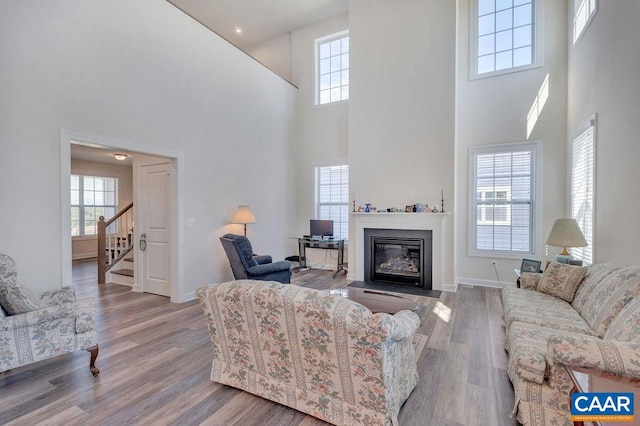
{"x":562,"y":280}
{"x":17,"y":299}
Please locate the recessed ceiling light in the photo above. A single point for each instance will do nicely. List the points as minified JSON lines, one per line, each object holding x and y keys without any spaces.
{"x":238,"y":30}
{"x":120,"y":157}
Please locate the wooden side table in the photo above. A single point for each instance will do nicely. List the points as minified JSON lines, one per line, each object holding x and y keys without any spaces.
{"x":584,"y":382}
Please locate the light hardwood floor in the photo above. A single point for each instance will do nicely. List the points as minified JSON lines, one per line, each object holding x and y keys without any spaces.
{"x":155,"y":358}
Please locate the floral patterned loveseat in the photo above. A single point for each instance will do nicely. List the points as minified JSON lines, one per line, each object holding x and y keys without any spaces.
{"x":583,"y":318}
{"x":318,"y":353}
{"x":36,"y":328}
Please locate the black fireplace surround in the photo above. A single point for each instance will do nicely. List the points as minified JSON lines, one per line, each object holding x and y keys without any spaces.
{"x":398,"y":257}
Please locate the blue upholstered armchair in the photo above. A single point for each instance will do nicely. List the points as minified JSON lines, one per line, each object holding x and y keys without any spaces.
{"x":247,"y":266}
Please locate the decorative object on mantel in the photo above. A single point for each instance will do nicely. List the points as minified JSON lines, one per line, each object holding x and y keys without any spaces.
{"x":442,"y":201}
{"x":354,"y":206}
{"x":367,"y":207}
{"x":565,"y":233}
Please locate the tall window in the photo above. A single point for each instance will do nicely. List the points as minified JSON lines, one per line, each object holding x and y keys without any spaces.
{"x":91,"y":197}
{"x":583,"y":14}
{"x":503,"y":200}
{"x":504,"y":35}
{"x":332,"y":197}
{"x":332,"y":68}
{"x":582,"y":186}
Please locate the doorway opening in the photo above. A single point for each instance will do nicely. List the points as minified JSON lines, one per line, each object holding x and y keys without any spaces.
{"x":151,"y":183}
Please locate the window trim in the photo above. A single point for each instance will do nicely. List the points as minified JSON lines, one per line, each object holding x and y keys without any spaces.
{"x":536,"y":222}
{"x":83,"y":173}
{"x":316,"y":202}
{"x":537,"y":43}
{"x":316,"y":51}
{"x":591,"y":123}
{"x":576,"y":38}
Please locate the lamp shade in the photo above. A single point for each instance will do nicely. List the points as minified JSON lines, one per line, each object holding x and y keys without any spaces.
{"x":243,"y":215}
{"x":566,"y":233}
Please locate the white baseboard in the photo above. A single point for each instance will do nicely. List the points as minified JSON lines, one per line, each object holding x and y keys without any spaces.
{"x":451,"y":288}
{"x":480,"y":283}
{"x":189,"y":296}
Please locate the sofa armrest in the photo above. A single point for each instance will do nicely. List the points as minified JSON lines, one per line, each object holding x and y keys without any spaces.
{"x":39,"y":316}
{"x":85,"y":313}
{"x":618,"y":361}
{"x":56,"y":297}
{"x":404,"y":325}
{"x":529,"y":280}
{"x":267,"y":268}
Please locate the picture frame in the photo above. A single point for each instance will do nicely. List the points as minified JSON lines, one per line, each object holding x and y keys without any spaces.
{"x":408,"y":209}
{"x":529,"y":265}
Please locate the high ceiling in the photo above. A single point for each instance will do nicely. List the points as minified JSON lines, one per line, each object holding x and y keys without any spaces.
{"x":259,"y":20}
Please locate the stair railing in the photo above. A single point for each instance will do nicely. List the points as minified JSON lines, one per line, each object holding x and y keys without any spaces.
{"x":115,"y":240}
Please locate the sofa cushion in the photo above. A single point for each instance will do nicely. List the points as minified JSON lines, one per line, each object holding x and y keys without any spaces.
{"x":8,"y":273}
{"x":610,"y":296}
{"x":561,"y":280}
{"x":17,"y":299}
{"x":625,"y":327}
{"x":533,"y":307}
{"x":595,"y":274}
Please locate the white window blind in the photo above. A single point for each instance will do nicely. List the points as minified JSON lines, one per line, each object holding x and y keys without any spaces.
{"x":91,"y":197}
{"x":332,"y":68}
{"x":503,"y":199}
{"x":582,"y":186}
{"x":332,"y":197}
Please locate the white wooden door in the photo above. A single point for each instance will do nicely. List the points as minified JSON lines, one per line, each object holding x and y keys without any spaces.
{"x":155,"y":229}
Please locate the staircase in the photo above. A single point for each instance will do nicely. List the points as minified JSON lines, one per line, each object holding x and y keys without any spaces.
{"x":122,"y":273}
{"x":115,"y":245}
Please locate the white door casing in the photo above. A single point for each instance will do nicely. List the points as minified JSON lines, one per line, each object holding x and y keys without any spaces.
{"x":154,"y":228}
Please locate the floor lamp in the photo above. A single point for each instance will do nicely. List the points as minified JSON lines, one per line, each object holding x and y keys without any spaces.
{"x":243,"y":215}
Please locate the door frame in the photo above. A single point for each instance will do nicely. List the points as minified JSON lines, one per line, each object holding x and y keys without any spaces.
{"x":177,"y":160}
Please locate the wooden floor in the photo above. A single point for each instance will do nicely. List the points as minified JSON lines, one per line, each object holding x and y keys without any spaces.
{"x":155,"y":361}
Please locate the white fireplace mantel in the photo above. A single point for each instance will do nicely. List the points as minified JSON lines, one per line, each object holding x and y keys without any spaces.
{"x":420,"y":221}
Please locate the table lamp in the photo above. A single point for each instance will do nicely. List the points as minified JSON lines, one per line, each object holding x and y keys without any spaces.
{"x":243,"y":215}
{"x":565,"y":233}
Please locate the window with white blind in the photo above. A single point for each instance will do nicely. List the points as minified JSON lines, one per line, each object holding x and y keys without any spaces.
{"x":332,"y":68}
{"x":504,"y":36}
{"x":582,"y":189}
{"x":332,"y":197}
{"x":91,"y":197}
{"x":503,"y":206}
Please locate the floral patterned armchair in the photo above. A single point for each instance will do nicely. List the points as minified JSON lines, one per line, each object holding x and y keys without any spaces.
{"x":318,"y":353}
{"x":33,"y":329}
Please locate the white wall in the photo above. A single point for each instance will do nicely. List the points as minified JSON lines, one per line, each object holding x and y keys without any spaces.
{"x":401,"y":111}
{"x":603,"y":79}
{"x":86,"y":247}
{"x":494,"y":110}
{"x":274,"y":54}
{"x":321,"y":131}
{"x":163,"y":82}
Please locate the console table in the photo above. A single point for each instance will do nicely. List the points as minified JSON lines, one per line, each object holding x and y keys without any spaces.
{"x":321,"y":243}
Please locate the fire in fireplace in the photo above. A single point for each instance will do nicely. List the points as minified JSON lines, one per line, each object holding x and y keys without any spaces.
{"x":398,"y":256}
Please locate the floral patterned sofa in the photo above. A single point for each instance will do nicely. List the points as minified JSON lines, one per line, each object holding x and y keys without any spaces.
{"x":583,"y":318}
{"x":36,"y":328}
{"x":318,"y":353}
